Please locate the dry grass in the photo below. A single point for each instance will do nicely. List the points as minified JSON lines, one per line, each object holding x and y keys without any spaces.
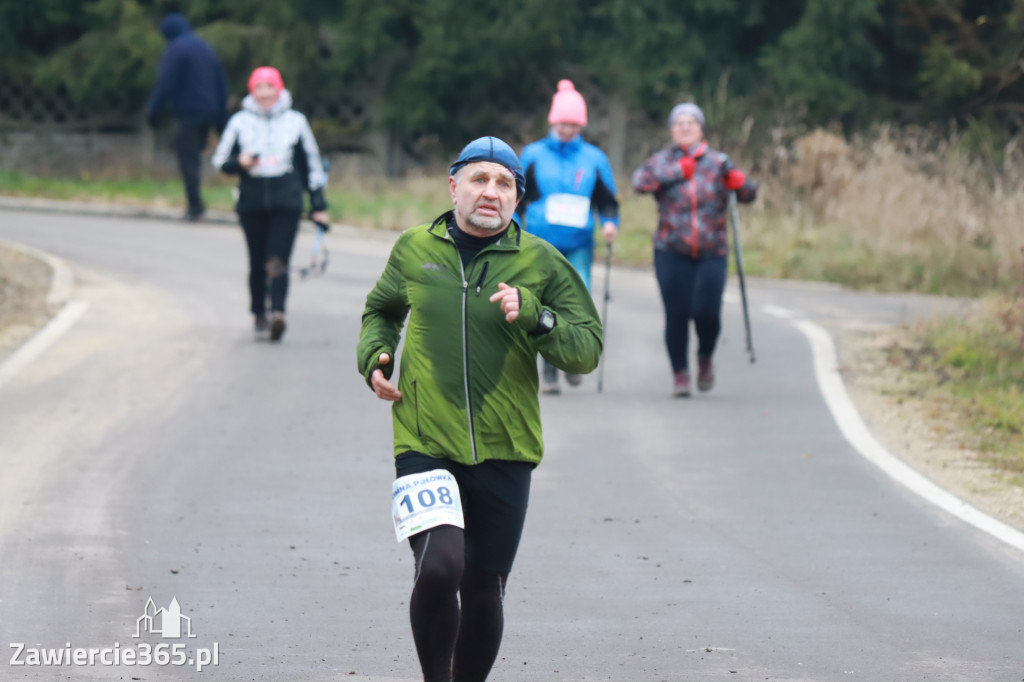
{"x":904,"y":210}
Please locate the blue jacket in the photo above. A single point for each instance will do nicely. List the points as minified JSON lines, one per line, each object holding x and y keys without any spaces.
{"x":191,"y":77}
{"x":566,"y":184}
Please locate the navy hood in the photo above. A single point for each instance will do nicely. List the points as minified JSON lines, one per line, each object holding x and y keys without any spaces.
{"x":174,"y":25}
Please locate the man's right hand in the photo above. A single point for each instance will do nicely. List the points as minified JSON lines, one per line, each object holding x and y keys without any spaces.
{"x":384,"y":389}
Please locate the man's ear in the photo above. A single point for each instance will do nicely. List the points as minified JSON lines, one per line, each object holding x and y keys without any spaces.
{"x":451,"y":187}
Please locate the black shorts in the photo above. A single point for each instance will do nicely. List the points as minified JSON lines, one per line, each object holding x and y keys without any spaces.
{"x":495,"y":494}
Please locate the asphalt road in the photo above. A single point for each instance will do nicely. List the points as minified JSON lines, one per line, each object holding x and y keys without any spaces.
{"x":155,"y":450}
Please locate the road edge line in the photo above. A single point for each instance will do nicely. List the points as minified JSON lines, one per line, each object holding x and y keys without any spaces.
{"x":61,"y":284}
{"x":856,"y":432}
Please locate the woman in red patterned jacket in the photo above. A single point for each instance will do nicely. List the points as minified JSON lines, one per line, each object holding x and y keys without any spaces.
{"x":691,"y":184}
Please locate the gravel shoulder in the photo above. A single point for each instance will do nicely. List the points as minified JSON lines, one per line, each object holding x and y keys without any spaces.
{"x":24,"y":285}
{"x":920,"y":433}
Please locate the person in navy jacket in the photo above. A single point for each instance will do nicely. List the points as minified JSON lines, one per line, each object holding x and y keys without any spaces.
{"x":192,"y":81}
{"x":570,"y":189}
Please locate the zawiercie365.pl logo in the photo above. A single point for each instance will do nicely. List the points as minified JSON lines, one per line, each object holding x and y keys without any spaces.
{"x":169,"y":623}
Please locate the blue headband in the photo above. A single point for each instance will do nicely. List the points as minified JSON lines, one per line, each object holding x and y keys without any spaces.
{"x":495,"y":151}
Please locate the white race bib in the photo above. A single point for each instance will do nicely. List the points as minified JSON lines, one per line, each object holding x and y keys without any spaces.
{"x":423,"y":501}
{"x":570,"y":210}
{"x":273,"y":163}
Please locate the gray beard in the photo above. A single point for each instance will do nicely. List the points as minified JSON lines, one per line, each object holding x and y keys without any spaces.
{"x":485,"y":223}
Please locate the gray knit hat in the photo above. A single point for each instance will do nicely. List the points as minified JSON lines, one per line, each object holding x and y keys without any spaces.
{"x":687,"y":108}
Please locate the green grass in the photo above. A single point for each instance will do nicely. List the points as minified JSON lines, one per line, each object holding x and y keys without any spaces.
{"x":975,"y":367}
{"x":776,"y":243}
{"x":135,"y":191}
{"x":364,"y":203}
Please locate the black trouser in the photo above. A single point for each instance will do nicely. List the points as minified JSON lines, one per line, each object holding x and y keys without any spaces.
{"x":270,"y":236}
{"x":189,"y":142}
{"x":690,"y":290}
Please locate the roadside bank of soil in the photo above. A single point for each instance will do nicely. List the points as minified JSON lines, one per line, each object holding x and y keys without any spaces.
{"x":919,"y":430}
{"x":24,"y":285}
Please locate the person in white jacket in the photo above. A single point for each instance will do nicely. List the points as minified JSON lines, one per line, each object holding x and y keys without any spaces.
{"x":271,"y":148}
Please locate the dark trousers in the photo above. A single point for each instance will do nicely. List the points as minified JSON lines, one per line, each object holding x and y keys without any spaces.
{"x":189,"y":142}
{"x":270,"y":236}
{"x":690,"y":290}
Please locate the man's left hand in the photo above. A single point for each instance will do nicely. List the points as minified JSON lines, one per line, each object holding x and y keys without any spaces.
{"x":610,"y":230}
{"x":509,"y":299}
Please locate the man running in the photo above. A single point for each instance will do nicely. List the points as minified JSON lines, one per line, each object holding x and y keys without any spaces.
{"x":483,"y":298}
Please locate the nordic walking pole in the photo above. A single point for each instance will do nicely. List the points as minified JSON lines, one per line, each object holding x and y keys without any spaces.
{"x":738,"y":249}
{"x":604,"y":312}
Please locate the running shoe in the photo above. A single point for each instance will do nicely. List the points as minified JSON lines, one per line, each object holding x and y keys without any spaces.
{"x":277,"y":326}
{"x":681,"y":387}
{"x":705,"y":373}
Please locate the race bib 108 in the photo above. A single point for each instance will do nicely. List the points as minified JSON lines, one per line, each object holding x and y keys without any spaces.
{"x":423,"y":501}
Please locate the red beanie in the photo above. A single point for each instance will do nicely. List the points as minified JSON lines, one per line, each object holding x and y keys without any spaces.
{"x":567,"y":106}
{"x":266,"y":74}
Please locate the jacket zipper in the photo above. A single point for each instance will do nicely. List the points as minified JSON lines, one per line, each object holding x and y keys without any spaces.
{"x":694,"y":230}
{"x":465,"y":353}
{"x":266,"y":181}
{"x":416,"y":402}
{"x":692,"y":191}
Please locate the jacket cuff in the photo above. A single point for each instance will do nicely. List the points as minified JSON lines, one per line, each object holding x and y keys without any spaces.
{"x":388,"y":369}
{"x":529,"y":309}
{"x":231,"y":166}
{"x":316,"y":199}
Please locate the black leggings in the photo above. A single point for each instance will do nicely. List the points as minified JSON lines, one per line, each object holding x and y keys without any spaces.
{"x":455,"y":610}
{"x":690,"y":290}
{"x":270,"y":236}
{"x":468,"y":567}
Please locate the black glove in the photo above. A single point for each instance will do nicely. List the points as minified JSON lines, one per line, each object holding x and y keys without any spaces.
{"x":324,"y":227}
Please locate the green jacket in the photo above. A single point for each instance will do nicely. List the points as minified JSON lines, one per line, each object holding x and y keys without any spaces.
{"x":469,"y":378}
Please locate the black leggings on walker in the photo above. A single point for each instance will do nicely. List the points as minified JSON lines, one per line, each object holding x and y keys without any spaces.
{"x":270,"y":236}
{"x":691,"y":289}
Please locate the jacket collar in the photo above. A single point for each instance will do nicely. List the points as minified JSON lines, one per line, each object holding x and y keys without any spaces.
{"x":694,"y":150}
{"x":283,"y":103}
{"x":509,"y":240}
{"x":565,"y":148}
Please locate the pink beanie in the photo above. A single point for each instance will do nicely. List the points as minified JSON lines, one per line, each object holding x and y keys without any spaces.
{"x":567,"y":106}
{"x":266,"y":74}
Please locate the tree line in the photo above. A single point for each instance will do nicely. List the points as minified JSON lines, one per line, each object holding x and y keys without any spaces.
{"x":448,"y":70}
